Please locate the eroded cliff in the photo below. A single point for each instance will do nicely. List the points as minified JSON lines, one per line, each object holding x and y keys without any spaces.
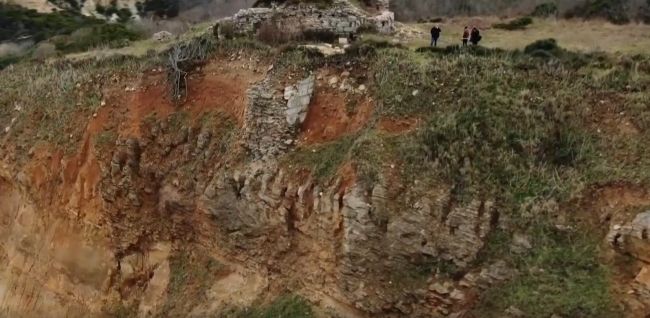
{"x":286,"y":171}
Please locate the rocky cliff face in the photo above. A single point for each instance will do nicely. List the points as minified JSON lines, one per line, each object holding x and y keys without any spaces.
{"x":122,"y":204}
{"x":81,"y":231}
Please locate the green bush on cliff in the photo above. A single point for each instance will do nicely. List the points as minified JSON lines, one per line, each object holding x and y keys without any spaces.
{"x":285,"y":306}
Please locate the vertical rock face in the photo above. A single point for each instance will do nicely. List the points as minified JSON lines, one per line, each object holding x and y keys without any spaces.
{"x":371,"y":239}
{"x":334,"y":241}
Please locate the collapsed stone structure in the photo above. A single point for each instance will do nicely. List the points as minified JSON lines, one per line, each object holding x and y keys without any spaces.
{"x":341,"y":17}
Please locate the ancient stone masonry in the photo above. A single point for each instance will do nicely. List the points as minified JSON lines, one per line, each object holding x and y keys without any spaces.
{"x":272,"y":125}
{"x":298,"y":98}
{"x":340,"y":17}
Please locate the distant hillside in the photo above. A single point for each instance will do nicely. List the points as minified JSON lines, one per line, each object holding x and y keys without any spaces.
{"x":617,"y":11}
{"x":107,"y":9}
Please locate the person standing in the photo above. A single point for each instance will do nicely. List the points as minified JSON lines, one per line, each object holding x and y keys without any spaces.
{"x":475,"y":36}
{"x":435,"y":35}
{"x":465,"y":36}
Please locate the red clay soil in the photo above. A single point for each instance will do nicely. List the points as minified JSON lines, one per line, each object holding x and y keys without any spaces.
{"x":613,"y":203}
{"x":348,"y":175}
{"x":327,"y":119}
{"x":213,"y":91}
{"x":213,"y":88}
{"x":398,"y":126}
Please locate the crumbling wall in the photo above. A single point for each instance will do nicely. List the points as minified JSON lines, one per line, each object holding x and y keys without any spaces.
{"x":341,"y":17}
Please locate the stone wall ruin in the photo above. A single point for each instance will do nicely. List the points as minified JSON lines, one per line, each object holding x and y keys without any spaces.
{"x":341,"y":17}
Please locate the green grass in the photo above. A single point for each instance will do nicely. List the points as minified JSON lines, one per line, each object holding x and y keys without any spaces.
{"x":190,"y":278}
{"x":562,"y":275}
{"x":52,"y":108}
{"x":516,"y":24}
{"x":323,"y":160}
{"x":512,"y":127}
{"x":104,"y":139}
{"x":492,"y":129}
{"x":286,"y":306}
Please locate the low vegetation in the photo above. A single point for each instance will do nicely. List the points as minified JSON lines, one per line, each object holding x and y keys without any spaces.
{"x":615,"y":11}
{"x":545,"y":10}
{"x":191,"y":277}
{"x":285,"y":306}
{"x":431,"y":20}
{"x":516,"y":24}
{"x":54,"y":95}
{"x":490,"y":129}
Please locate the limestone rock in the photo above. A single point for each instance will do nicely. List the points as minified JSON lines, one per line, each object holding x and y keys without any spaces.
{"x":514,"y":312}
{"x":298,"y":103}
{"x":520,"y":244}
{"x":632,"y":237}
{"x":162,"y":36}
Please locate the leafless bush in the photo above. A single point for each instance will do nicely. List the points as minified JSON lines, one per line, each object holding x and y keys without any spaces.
{"x":43,"y":51}
{"x":181,"y":58}
{"x":7,"y":49}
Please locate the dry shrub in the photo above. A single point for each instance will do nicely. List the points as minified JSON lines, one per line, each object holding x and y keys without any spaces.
{"x":227,"y":30}
{"x":14,"y":49}
{"x":43,"y":51}
{"x":80,"y":34}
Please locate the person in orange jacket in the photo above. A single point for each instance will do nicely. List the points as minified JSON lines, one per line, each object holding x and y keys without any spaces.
{"x":465,"y":36}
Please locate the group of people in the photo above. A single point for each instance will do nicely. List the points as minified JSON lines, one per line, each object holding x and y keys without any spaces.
{"x":473,"y":36}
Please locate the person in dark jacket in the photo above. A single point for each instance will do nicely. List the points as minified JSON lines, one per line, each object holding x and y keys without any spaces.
{"x":435,"y":35}
{"x":475,"y":36}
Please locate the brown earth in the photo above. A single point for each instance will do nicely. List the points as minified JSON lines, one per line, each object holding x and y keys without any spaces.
{"x":57,"y":247}
{"x":398,"y":126}
{"x":327,"y":119}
